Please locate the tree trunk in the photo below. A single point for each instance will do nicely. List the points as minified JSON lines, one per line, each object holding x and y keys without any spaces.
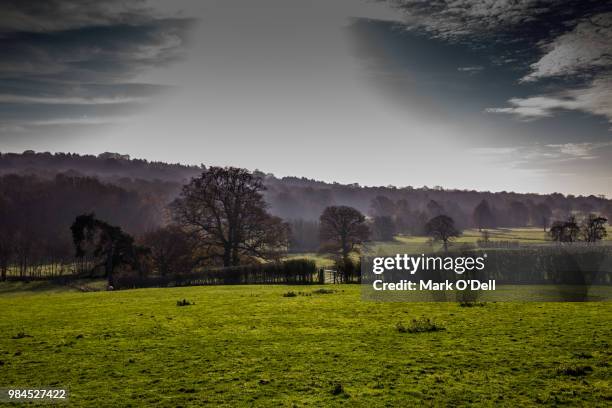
{"x":227,"y":255}
{"x":235,"y":257}
{"x":109,"y":266}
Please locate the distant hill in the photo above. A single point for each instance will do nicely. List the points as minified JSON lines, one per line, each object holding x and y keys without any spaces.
{"x":302,"y":198}
{"x":105,"y":166}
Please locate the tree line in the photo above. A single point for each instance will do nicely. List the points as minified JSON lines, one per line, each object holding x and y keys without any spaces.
{"x":302,"y":199}
{"x":220,"y":219}
{"x":36,"y":213}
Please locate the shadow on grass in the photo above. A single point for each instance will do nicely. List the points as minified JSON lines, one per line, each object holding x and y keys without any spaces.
{"x":34,"y":287}
{"x":8,"y":288}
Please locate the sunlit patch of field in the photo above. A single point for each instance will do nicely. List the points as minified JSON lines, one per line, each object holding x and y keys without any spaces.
{"x":415,"y":244}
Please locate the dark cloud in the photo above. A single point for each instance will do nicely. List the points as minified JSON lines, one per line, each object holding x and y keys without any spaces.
{"x":565,"y":47}
{"x":59,"y":15}
{"x":496,"y":20}
{"x":67,"y":61}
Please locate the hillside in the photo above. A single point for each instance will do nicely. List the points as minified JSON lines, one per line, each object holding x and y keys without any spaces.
{"x":299,"y":198}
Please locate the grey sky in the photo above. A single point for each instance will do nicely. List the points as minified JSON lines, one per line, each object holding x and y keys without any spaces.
{"x":491,"y":95}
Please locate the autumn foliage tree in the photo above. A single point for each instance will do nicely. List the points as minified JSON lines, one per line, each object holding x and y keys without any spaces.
{"x":342,"y":230}
{"x":224,"y":210}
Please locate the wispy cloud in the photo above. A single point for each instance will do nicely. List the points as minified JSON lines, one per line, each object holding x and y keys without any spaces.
{"x":544,"y":40}
{"x":581,"y":51}
{"x":51,"y":100}
{"x":59,"y":15}
{"x":545,"y":155}
{"x":596,"y":98}
{"x":89,"y":121}
{"x":585,"y":151}
{"x":456,"y":19}
{"x":471,"y":69}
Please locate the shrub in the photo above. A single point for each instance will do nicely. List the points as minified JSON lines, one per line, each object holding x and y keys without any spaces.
{"x":584,"y":355}
{"x":574,"y":370}
{"x":421,"y":325}
{"x":323,"y":291}
{"x":349,"y":271}
{"x":184,"y":302}
{"x":292,"y":271}
{"x":338,"y":389}
{"x":468,"y":303}
{"x":289,"y":294}
{"x":21,"y":335}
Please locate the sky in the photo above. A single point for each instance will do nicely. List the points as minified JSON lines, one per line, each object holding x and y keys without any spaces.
{"x":495,"y":95}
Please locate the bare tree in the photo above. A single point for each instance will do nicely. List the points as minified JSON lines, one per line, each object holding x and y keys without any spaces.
{"x":594,"y":228}
{"x":6,"y":253}
{"x":224,"y":210}
{"x":442,"y":228}
{"x":342,"y":230}
{"x":171,"y":250}
{"x":565,"y":231}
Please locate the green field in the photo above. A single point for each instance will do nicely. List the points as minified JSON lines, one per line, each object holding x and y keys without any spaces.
{"x":250,"y":345}
{"x":414,"y":244}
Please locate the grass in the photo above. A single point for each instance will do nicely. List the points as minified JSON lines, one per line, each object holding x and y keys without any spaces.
{"x":249,"y":345}
{"x":415,"y":244}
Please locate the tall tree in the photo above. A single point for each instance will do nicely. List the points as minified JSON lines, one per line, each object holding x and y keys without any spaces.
{"x":6,"y":237}
{"x":304,"y":236}
{"x":434,"y":208}
{"x":542,"y":214}
{"x":225,"y":210}
{"x":565,"y":231}
{"x":342,"y":229}
{"x":607,"y":210}
{"x":403,"y":216}
{"x":519,"y":214}
{"x":107,"y":243}
{"x":383,"y":228}
{"x":442,"y":228}
{"x":594,"y":228}
{"x":382,"y":206}
{"x":483,"y":217}
{"x":171,"y":250}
